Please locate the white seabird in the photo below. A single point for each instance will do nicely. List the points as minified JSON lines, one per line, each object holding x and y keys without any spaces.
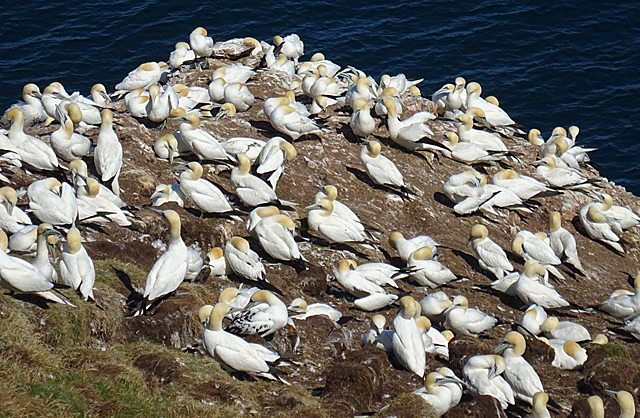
{"x":462,"y":320}
{"x":243,"y":260}
{"x":142,"y":77}
{"x":273,"y":157}
{"x":52,"y":202}
{"x":12,"y":218}
{"x":406,"y":247}
{"x":203,"y":144}
{"x":251,"y":190}
{"x":522,"y":378}
{"x":275,"y":235}
{"x":264,"y":317}
{"x":30,"y":149}
{"x":562,"y":242}
{"x":287,"y":120}
{"x":167,"y":193}
{"x":599,"y":227}
{"x":76,"y":267}
{"x":408,"y":345}
{"x":204,"y":194}
{"x":533,"y":318}
{"x":428,"y":271}
{"x":362,"y":123}
{"x":31,"y":107}
{"x":531,"y":288}
{"x":108,"y":153}
{"x":495,"y":115}
{"x":41,"y":261}
{"x":489,"y":254}
{"x":435,"y":393}
{"x":623,"y":304}
{"x":303,"y":311}
{"x":381,"y":169}
{"x":565,"y":330}
{"x":482,"y":375}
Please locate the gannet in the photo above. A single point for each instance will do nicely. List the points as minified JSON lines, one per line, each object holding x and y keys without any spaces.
{"x":284,"y":65}
{"x":406,"y":246}
{"x":69,"y":145}
{"x":489,"y":254}
{"x":52,"y":202}
{"x":362,"y":89}
{"x":457,"y":96}
{"x":201,"y":44}
{"x":376,"y":328}
{"x":290,"y":46}
{"x":91,"y":196}
{"x":623,"y":304}
{"x":84,"y":113}
{"x":440,"y":96}
{"x":562,"y":242}
{"x":218,"y":263}
{"x":80,"y":175}
{"x":181,"y":54}
{"x":99,"y":95}
{"x":41,"y":261}
{"x":459,"y":187}
{"x":355,"y":282}
{"x":24,"y":240}
{"x":531,"y":247}
{"x":565,"y":330}
{"x":380,"y":273}
{"x":596,"y":407}
{"x":388,"y":93}
{"x":525,"y":187}
{"x":107,"y":155}
{"x":495,"y":115}
{"x":568,"y":354}
{"x":600,"y":227}
{"x":531,"y":288}
{"x":171,"y":146}
{"x":272,"y":104}
{"x":235,"y":73}
{"x":482,"y":375}
{"x":256,"y":215}
{"x":316,"y":60}
{"x":12,"y":218}
{"x":633,"y":327}
{"x":76,"y":267}
{"x":275,"y":235}
{"x":333,"y":227}
{"x":239,"y":95}
{"x":169,"y":271}
{"x":251,"y":147}
{"x":626,"y":402}
{"x":287,"y":120}
{"x":303,"y":311}
{"x":426,"y":270}
{"x":216,"y":90}
{"x":467,"y":152}
{"x":330,"y":193}
{"x":161,"y":103}
{"x":624,"y":216}
{"x":244,"y":261}
{"x":435,"y":393}
{"x":203,"y":144}
{"x":264,"y":317}
{"x":194,"y":264}
{"x":232,"y":352}
{"x":251,"y":190}
{"x":434,"y":342}
{"x":362,"y":123}
{"x":31,"y":107}
{"x":462,"y":320}
{"x":291,"y":97}
{"x":408,"y":345}
{"x":381,"y":169}
{"x":434,"y":305}
{"x":142,"y":77}
{"x":375,"y":301}
{"x":319,"y":103}
{"x":533,"y":318}
{"x":483,"y":139}
{"x":563,"y":177}
{"x":167,"y":193}
{"x":30,"y":149}
{"x":136,"y":103}
{"x":522,"y":378}
{"x":204,"y":194}
{"x":308,"y":80}
{"x":409,"y":132}
{"x":273,"y":157}
{"x":51,"y":98}
{"x":540,"y":410}
{"x":18,"y":275}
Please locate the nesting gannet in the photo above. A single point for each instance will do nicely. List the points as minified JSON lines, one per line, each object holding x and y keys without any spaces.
{"x":18,"y":275}
{"x":169,"y":271}
{"x":562,"y":242}
{"x":434,"y":342}
{"x":540,"y":410}
{"x":303,"y":311}
{"x":235,"y":73}
{"x":181,"y":54}
{"x":251,"y":147}
{"x":327,"y":86}
{"x":362,"y":89}
{"x":251,"y":190}
{"x":409,"y":132}
{"x":244,"y":261}
{"x":273,"y":157}
{"x":596,"y":407}
{"x":52,"y":202}
{"x":41,"y":261}
{"x":80,"y":175}
{"x":25,"y":239}
{"x":142,"y":77}
{"x":218,"y":263}
{"x":333,"y":227}
{"x":381,"y":169}
{"x":624,"y":216}
{"x":91,"y":195}
{"x":467,"y":152}
{"x":107,"y":155}
{"x":69,"y":145}
{"x":380,"y":273}
{"x":362,"y":123}
{"x":161,"y":103}
{"x":376,"y":328}
{"x":460,"y":186}
{"x":264,"y":317}
{"x":200,"y":43}
{"x":171,"y":146}
{"x":275,"y":235}
{"x":204,"y":194}
{"x":489,"y":254}
{"x":319,"y":59}
{"x":457,"y":96}
{"x":239,"y":95}
{"x":486,"y":140}
{"x":623,"y":304}
{"x":167,"y":193}
{"x":408,"y":345}
{"x":626,"y":402}
{"x":462,"y":320}
{"x":406,"y":246}
{"x":31,"y":107}
{"x":525,"y":187}
{"x":330,"y":193}
{"x":194,"y":264}
{"x":522,"y":378}
{"x":76,"y":267}
{"x":203,"y":144}
{"x":426,"y":270}
{"x":287,"y":120}
{"x":99,"y":95}
{"x":435,"y":393}
{"x":355,"y":282}
{"x":216,"y":90}
{"x":557,"y":176}
{"x":284,"y":65}
{"x":565,"y":330}
{"x":531,"y":288}
{"x":495,"y":115}
{"x":633,"y":327}
{"x":482,"y":375}
{"x":30,"y":149}
{"x":388,"y":93}
{"x":454,"y":385}
{"x":51,"y":98}
{"x":533,"y":318}
{"x":568,"y":354}
{"x":136,"y":103}
{"x":231,"y":351}
{"x":434,"y":306}
{"x":290,"y":46}
{"x":532,"y":247}
{"x":600,"y":227}
{"x":256,"y":215}
{"x":319,"y":103}
{"x":12,"y":218}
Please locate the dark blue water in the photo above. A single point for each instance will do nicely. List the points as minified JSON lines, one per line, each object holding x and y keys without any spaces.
{"x":549,"y":64}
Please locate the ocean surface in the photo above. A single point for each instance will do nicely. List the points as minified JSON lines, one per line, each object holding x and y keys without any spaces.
{"x":549,"y":63}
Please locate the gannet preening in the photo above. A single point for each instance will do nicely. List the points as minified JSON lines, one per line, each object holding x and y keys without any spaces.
{"x":216,"y":90}
{"x":24,"y":240}
{"x":333,"y":227}
{"x":161,"y":103}
{"x":169,"y":271}
{"x":30,"y":149}
{"x":361,"y":89}
{"x":355,"y":282}
{"x":18,"y":275}
{"x":52,"y":202}
{"x":489,"y":254}
{"x":290,"y":46}
{"x":495,"y":115}
{"x":524,"y":186}
{"x":433,"y":340}
{"x":69,"y":145}
{"x":409,"y":132}
{"x":382,"y":170}
{"x":203,"y":144}
{"x":251,"y":190}
{"x":532,"y":247}
{"x":434,"y":306}
{"x":563,"y":177}
{"x":239,"y":96}
{"x":408,"y":345}
{"x":201,"y":44}
{"x":563,"y":243}
{"x":482,"y":375}
{"x":626,"y":402}
{"x":623,"y":304}
{"x":319,"y":104}
{"x":169,"y":147}
{"x":406,"y":247}
{"x":136,"y":103}
{"x":276,"y":236}
{"x":204,"y":194}
{"x":531,"y":288}
{"x":522,"y":378}
{"x":243,"y":260}
{"x":232,"y":352}
{"x":600,"y":227}
{"x":426,"y":270}
{"x":454,"y":385}
{"x":31,"y":107}
{"x":256,"y":215}
{"x":142,"y":77}
{"x":181,"y":54}
{"x":435,"y":393}
{"x":80,"y":176}
{"x":540,"y":410}
{"x":459,"y":187}
{"x":568,"y":354}
{"x":327,"y":86}
{"x":273,"y":157}
{"x":264,"y":317}
{"x":287,"y":120}
{"x":218,"y":263}
{"x":107,"y":156}
{"x":565,"y":330}
{"x":45,"y":244}
{"x":624,"y":216}
{"x":362,"y":123}
{"x":92,"y":201}
{"x":12,"y":218}
{"x":76,"y":267}
{"x":283,"y":64}
{"x":462,"y":320}
{"x":303,"y":311}
{"x":533,"y":318}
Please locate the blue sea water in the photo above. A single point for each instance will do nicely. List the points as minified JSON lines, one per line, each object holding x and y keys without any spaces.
{"x":550,"y":63}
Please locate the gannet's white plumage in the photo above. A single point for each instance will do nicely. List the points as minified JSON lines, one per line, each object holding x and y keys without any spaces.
{"x":601,"y":227}
{"x":332,"y":227}
{"x":136,"y":103}
{"x":462,"y":320}
{"x":483,"y":139}
{"x":69,"y":145}
{"x":80,"y":176}
{"x":379,"y":168}
{"x":362,"y":123}
{"x":564,"y":330}
{"x":284,"y":65}
{"x":533,"y":318}
{"x":540,"y":410}
{"x":41,"y":261}
{"x":234,"y":73}
{"x":482,"y":374}
{"x":203,"y":144}
{"x":76,"y":267}
{"x":204,"y":194}
{"x":108,"y":153}
{"x":251,"y":190}
{"x":12,"y":218}
{"x":355,"y":282}
{"x":376,"y":328}
{"x":290,"y":46}
{"x":31,"y":107}
{"x":568,"y":354}
{"x":435,"y":393}
{"x":495,"y":115}
{"x":408,"y":345}
{"x":181,"y":54}
{"x":30,"y":149}
{"x":531,"y":288}
{"x":273,"y":157}
{"x":433,"y":340}
{"x":251,"y":147}
{"x":52,"y":202}
{"x":525,"y":187}
{"x":409,"y":132}
{"x":532,"y":247}
{"x":275,"y":235}
{"x":256,"y":215}
{"x":489,"y":254}
{"x":303,"y":311}
{"x":161,"y":103}
{"x":624,"y":216}
{"x":238,"y":95}
{"x":25,"y":239}
{"x":287,"y":120}
{"x":626,"y":402}
{"x":264,"y":317}
{"x":200,"y":43}
{"x":244,"y":261}
{"x":380,"y":273}
{"x":92,"y":200}
{"x":557,"y":176}
{"x":426,"y":270}
{"x":434,"y":306}
{"x":562,"y":242}
{"x":520,"y":375}
{"x":330,"y":193}
{"x":623,"y":304}
{"x":406,"y":247}
{"x":142,"y":77}
{"x":467,"y":152}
